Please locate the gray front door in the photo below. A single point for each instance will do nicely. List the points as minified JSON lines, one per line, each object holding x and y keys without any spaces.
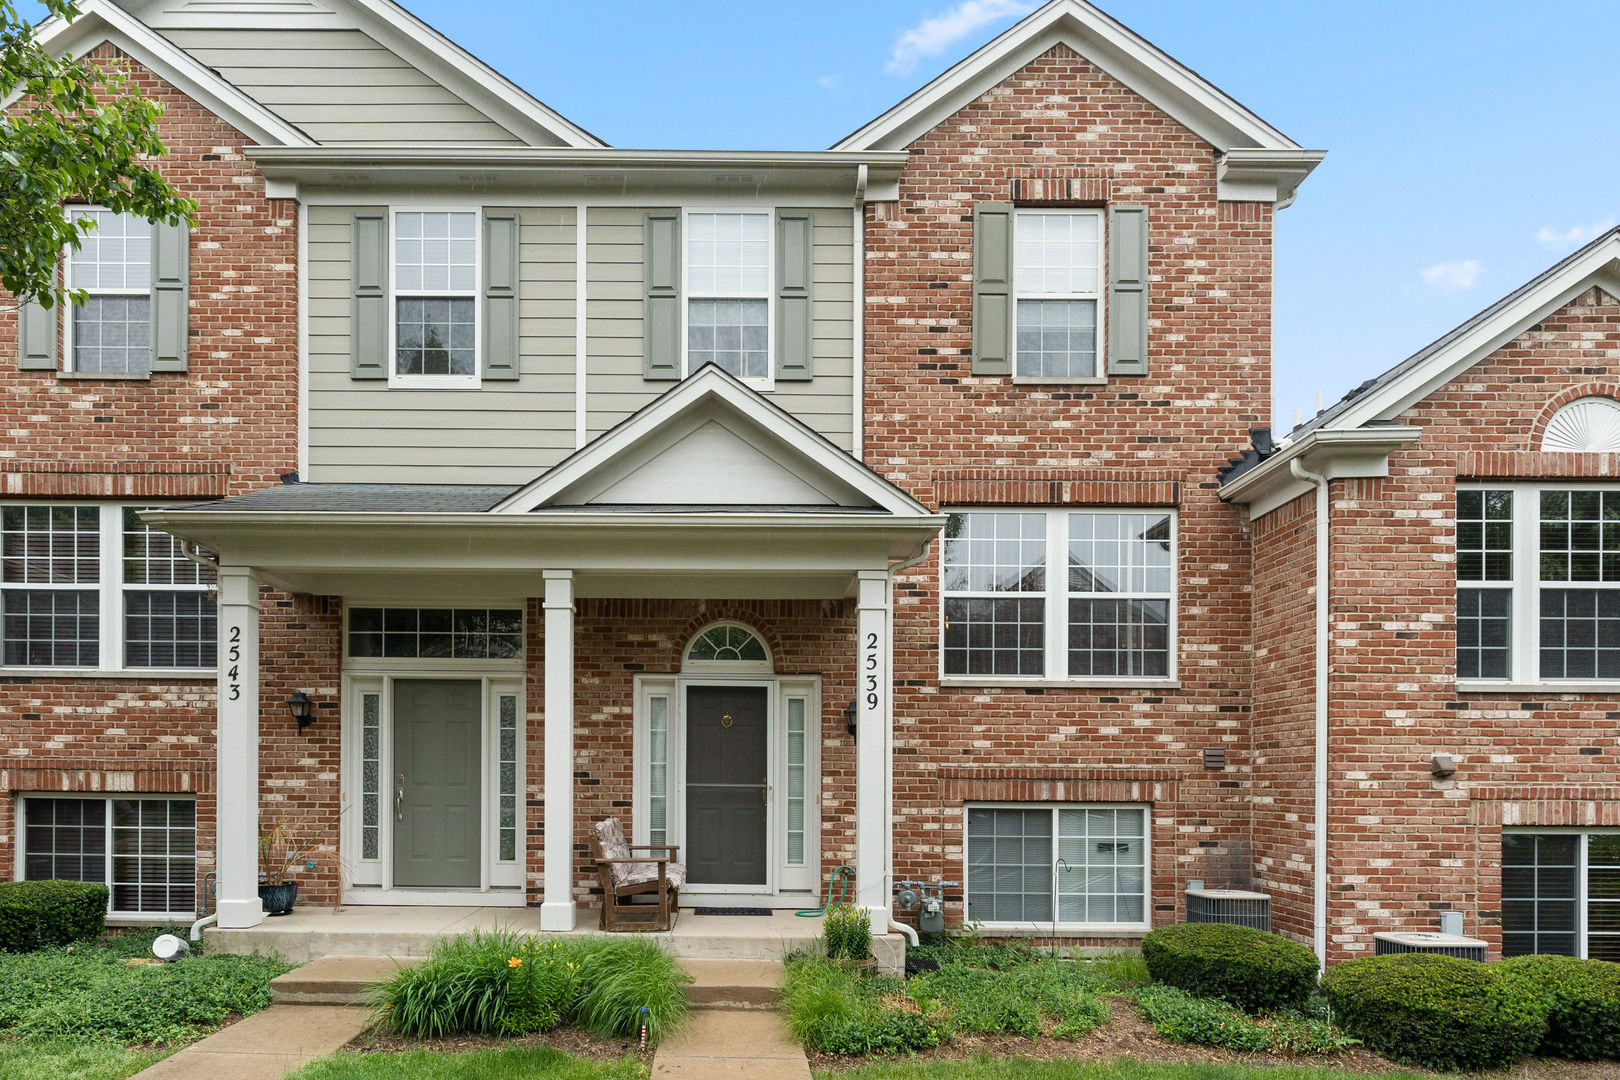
{"x":726,"y":767}
{"x":437,"y":760}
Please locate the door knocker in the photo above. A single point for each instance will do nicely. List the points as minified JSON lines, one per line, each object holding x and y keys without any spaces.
{"x":725,"y":720}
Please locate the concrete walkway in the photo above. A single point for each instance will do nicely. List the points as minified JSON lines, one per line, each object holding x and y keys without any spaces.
{"x":265,"y":1046}
{"x":722,"y":1043}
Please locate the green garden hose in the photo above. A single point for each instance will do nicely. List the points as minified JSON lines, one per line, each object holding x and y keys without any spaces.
{"x":841,"y":874}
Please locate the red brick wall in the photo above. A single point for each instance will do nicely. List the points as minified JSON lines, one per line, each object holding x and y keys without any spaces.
{"x":932,"y":426}
{"x":227,"y":425}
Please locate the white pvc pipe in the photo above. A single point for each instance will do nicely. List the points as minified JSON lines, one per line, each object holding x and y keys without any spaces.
{"x":197,"y":927}
{"x":1320,"y":802}
{"x":911,"y":935}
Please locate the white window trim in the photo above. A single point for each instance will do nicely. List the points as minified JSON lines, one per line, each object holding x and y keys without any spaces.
{"x":110,"y":601}
{"x":113,"y":915}
{"x":766,"y":666}
{"x":1581,"y":885}
{"x":1524,"y":659}
{"x":1068,"y":927}
{"x":769,"y":295}
{"x":1056,"y":599}
{"x":66,"y":365}
{"x":396,"y":381}
{"x":1098,"y":377}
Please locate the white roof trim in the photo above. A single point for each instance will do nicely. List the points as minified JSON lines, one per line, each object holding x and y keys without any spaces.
{"x":1336,"y":455}
{"x":1598,"y":265}
{"x":1128,"y":57}
{"x":710,"y":385}
{"x":102,"y":21}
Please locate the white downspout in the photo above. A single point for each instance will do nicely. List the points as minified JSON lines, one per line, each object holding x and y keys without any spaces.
{"x":888,"y":751}
{"x":1320,"y":808}
{"x":858,"y":345}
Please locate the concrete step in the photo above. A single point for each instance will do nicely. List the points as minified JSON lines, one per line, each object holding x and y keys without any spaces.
{"x":733,"y":984}
{"x":333,"y":980}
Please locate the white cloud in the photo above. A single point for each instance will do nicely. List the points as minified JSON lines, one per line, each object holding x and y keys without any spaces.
{"x":1575,"y":234}
{"x":829,"y":82}
{"x":1453,"y":276}
{"x":937,"y":33}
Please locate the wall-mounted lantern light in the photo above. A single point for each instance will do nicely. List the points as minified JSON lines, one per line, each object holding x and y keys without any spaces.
{"x":849,"y":719}
{"x":302,"y":709}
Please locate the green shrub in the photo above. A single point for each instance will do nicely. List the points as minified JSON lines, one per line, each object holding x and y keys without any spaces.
{"x":1440,"y":1012}
{"x":502,"y":982}
{"x":37,"y":914}
{"x":1252,"y":969}
{"x":839,"y":1011}
{"x":1584,"y":997}
{"x":847,"y":933}
{"x":1178,"y":1015}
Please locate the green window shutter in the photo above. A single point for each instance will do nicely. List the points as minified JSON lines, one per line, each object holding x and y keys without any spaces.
{"x":36,"y":336}
{"x":992,"y":289}
{"x":795,"y":252}
{"x":661,"y":280}
{"x":1127,"y":313}
{"x":501,"y":294}
{"x":171,"y":295}
{"x":368,"y":278}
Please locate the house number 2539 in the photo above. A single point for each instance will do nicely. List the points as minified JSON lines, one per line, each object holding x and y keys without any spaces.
{"x":233,"y":674}
{"x":869,"y":670}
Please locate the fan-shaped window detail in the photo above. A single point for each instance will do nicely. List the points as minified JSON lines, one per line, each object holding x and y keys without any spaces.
{"x":727,"y":645}
{"x":1588,"y":425}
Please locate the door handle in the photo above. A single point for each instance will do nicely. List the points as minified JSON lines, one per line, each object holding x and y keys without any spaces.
{"x":765,"y":790}
{"x":399,"y":797}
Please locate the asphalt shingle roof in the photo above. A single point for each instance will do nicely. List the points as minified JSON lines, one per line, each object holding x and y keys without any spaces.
{"x":366,"y":499}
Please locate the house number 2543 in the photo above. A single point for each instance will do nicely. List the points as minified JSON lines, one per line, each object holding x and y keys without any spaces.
{"x":869,"y":670}
{"x":233,"y":674}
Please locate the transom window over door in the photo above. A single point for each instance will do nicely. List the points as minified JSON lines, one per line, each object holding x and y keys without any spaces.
{"x":728,"y":287}
{"x":436,"y":297}
{"x":1057,"y":273}
{"x":111,"y":332}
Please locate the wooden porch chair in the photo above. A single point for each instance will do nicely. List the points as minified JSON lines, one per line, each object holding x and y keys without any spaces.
{"x":626,"y":876}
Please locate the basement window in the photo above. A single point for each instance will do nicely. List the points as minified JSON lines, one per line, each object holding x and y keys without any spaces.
{"x":1057,"y":866}
{"x":143,"y":849}
{"x":1561,"y":893}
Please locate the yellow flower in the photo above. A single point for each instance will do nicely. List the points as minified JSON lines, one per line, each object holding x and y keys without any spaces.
{"x":516,"y":961}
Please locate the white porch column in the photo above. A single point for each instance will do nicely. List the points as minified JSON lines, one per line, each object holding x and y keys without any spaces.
{"x":557,"y":909}
{"x":873,"y":783}
{"x":236,"y":741}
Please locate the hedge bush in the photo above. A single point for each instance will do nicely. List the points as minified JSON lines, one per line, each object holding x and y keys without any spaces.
{"x":1252,"y":969}
{"x":1440,"y":1012}
{"x":1584,"y":996}
{"x":38,"y":914}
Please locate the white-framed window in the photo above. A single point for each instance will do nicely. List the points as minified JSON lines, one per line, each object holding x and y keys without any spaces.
{"x":1561,"y":892}
{"x":433,"y":633}
{"x":1538,"y":584}
{"x":1057,"y":281}
{"x":728,"y":268}
{"x":434,"y":287}
{"x":1080,"y":866}
{"x":143,"y":848}
{"x":1109,"y":616}
{"x":93,"y":588}
{"x":111,"y":332}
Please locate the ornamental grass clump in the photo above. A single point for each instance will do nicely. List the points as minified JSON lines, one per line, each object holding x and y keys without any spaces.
{"x":1252,"y":969}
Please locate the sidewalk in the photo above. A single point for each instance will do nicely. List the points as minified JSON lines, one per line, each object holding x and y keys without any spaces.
{"x":723,"y":1043}
{"x":265,"y":1046}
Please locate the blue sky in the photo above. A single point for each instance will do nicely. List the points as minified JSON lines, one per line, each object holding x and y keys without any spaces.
{"x":1471,"y":143}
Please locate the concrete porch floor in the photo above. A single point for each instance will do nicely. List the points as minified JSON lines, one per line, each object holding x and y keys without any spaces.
{"x":310,"y":933}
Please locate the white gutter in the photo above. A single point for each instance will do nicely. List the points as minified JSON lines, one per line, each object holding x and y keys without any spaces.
{"x":858,"y":432}
{"x":303,"y":340}
{"x":581,"y":331}
{"x":888,"y":749}
{"x":1319,"y":878}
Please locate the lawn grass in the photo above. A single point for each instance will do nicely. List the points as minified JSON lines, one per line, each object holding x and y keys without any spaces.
{"x":987,"y":1068}
{"x":519,"y":1063}
{"x":79,"y":1059}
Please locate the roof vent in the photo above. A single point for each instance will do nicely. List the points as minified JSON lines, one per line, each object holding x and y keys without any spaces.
{"x":1465,"y":948}
{"x":1233,"y":906}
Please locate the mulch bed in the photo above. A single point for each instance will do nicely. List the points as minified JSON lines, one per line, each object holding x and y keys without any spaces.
{"x":569,"y":1040}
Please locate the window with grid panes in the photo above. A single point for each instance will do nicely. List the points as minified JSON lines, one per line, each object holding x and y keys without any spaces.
{"x":728,"y":281}
{"x":1057,"y":274}
{"x":1072,"y":865}
{"x":436,"y":293}
{"x":169,"y":617}
{"x":436,"y":633}
{"x":111,"y":332}
{"x":50,"y":573}
{"x":143,"y":849}
{"x":1561,"y":893}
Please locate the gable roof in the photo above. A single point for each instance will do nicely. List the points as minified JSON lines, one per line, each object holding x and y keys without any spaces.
{"x":1386,"y":396}
{"x":102,"y":21}
{"x":713,"y":443}
{"x":1178,"y":90}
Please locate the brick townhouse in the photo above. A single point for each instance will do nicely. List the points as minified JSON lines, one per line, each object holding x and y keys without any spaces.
{"x":726,"y":494}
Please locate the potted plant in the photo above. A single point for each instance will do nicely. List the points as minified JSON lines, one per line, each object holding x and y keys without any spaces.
{"x":847,"y":935}
{"x":291,"y":841}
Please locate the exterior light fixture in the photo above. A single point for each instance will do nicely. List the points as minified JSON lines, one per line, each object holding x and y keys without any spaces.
{"x":849,"y":719}
{"x":302,"y":709}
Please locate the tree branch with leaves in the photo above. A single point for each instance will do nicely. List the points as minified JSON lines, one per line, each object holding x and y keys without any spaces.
{"x":78,"y":131}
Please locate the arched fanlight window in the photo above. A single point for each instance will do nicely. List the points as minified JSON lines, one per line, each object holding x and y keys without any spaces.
{"x":1588,"y":425}
{"x":727,"y":646}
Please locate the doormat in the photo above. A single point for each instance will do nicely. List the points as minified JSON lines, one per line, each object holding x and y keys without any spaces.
{"x":731,"y":911}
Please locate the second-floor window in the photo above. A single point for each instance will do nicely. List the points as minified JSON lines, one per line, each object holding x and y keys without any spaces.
{"x":111,"y":332}
{"x":1059,"y":594}
{"x":1538,"y":584}
{"x":92,"y":587}
{"x":1057,"y":271}
{"x":436,"y":297}
{"x":728,"y":290}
